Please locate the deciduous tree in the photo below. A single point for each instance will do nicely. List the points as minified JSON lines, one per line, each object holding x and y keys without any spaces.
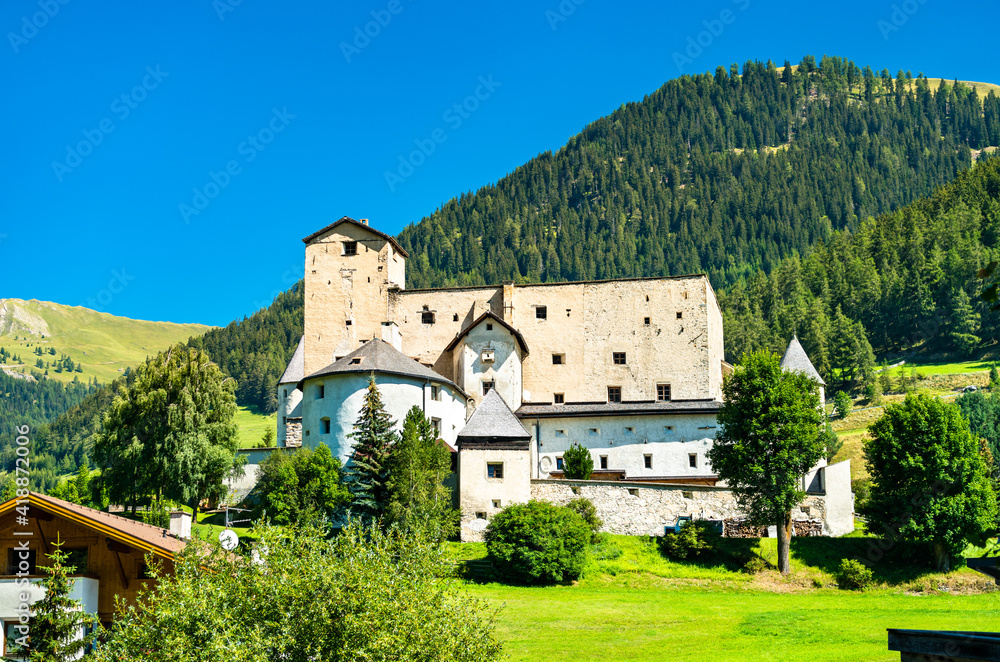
{"x":770,"y":436}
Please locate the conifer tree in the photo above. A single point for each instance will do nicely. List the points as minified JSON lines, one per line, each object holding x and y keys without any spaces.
{"x":367,"y":471}
{"x":60,"y":629}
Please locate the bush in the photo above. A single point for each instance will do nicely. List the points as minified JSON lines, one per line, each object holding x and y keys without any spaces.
{"x":842,"y":404}
{"x":585,"y":509}
{"x":537,"y":543}
{"x":755,"y":565}
{"x":578,"y":463}
{"x":854,"y":575}
{"x":693,"y":540}
{"x":157,"y":514}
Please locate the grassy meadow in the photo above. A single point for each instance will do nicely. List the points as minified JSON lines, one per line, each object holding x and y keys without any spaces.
{"x":641,"y":606}
{"x":103,"y":343}
{"x":252,"y":425}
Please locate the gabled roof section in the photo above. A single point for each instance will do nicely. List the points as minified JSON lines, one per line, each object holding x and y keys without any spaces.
{"x":493,"y":420}
{"x":492,"y":317}
{"x":796,"y":360}
{"x":295,"y":370}
{"x":381,"y":357}
{"x":348,"y":219}
{"x":129,"y":532}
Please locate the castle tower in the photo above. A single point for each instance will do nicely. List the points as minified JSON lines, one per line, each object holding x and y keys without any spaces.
{"x":349,"y":271}
{"x":796,"y":360}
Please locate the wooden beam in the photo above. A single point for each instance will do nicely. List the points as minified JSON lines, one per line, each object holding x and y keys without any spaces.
{"x":41,"y":534}
{"x":121,"y":568}
{"x":116,"y":546}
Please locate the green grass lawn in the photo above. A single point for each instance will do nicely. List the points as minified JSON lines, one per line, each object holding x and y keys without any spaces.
{"x":637,"y":605}
{"x":252,"y":425}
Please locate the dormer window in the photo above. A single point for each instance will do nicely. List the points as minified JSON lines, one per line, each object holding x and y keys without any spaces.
{"x":350,"y":248}
{"x":356,"y":360}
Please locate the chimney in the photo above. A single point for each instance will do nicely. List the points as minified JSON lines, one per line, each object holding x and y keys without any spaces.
{"x":364,"y":221}
{"x":180,"y":525}
{"x":391,"y":335}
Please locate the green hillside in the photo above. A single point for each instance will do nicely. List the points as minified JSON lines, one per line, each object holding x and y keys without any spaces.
{"x":101,"y":344}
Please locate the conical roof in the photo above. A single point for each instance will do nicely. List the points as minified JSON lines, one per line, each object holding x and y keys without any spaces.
{"x":796,"y":360}
{"x":379,"y":356}
{"x":293,"y":373}
{"x":494,"y":420}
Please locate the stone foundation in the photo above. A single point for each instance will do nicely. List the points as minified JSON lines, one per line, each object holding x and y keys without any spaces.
{"x":293,"y":433}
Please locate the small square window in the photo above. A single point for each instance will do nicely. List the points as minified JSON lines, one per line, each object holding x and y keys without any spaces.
{"x":494,"y":469}
{"x":320,"y":392}
{"x":693,"y":460}
{"x":348,"y":323}
{"x":680,"y":315}
{"x":356,"y":360}
{"x":558,"y":359}
{"x":541,"y":312}
{"x":559,"y":398}
{"x":488,"y":386}
{"x":687,"y":495}
{"x":324,"y":426}
{"x":496,"y":503}
{"x":489,"y":327}
{"x":629,"y":430}
{"x":480,"y":515}
{"x":454,"y":318}
{"x":633,"y":491}
{"x":595,"y":432}
{"x":618,"y":358}
{"x":645,"y":320}
{"x":426,"y":317}
{"x":560,"y":433}
{"x":663,"y":392}
{"x":647,"y":461}
{"x":350,"y":248}
{"x":669,"y":428}
{"x":614,"y":394}
{"x":488,"y":356}
{"x":604,"y":461}
{"x":559,"y":464}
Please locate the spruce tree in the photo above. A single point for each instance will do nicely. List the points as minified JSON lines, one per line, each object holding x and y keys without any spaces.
{"x":60,"y":629}
{"x":367,"y":471}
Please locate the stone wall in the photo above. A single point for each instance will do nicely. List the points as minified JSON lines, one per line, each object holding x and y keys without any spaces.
{"x":293,"y":432}
{"x":637,"y":509}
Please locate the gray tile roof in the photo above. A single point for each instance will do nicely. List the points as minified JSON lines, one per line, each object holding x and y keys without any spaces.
{"x":379,"y":356}
{"x":796,"y":360}
{"x":348,"y":219}
{"x":570,"y":409}
{"x":493,"y":419}
{"x":493,"y":317}
{"x":293,"y":373}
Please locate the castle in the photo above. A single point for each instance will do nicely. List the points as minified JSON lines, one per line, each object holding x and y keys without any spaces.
{"x":512,"y":375}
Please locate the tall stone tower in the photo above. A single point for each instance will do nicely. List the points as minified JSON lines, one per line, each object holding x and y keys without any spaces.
{"x":349,"y":271}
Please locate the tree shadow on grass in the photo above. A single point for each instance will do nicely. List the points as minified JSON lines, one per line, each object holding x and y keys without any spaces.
{"x":891,"y":562}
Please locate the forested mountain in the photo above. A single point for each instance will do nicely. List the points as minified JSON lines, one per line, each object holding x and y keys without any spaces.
{"x":905,"y":279}
{"x":722,"y":174}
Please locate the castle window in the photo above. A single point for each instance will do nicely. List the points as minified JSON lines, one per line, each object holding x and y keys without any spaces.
{"x":488,"y":355}
{"x":560,"y":433}
{"x":595,"y":432}
{"x":647,"y":461}
{"x":494,"y":469}
{"x":284,"y":393}
{"x":618,"y":358}
{"x":489,"y":327}
{"x":604,"y":461}
{"x":559,"y":464}
{"x":320,"y":392}
{"x":454,"y":318}
{"x":680,"y":315}
{"x":669,"y":428}
{"x":645,"y":321}
{"x":663,"y":392}
{"x":426,"y":317}
{"x":324,"y":426}
{"x":687,"y":495}
{"x":349,"y":322}
{"x":693,"y":460}
{"x":436,"y":424}
{"x":350,"y":248}
{"x":435,"y":392}
{"x":496,"y":503}
{"x":629,"y":430}
{"x":488,"y":386}
{"x":633,"y":491}
{"x":356,"y":360}
{"x":541,"y":312}
{"x":480,"y":515}
{"x":558,"y":398}
{"x":614,"y":394}
{"x":558,"y":359}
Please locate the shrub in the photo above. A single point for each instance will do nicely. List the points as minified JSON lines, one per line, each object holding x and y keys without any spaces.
{"x":578,"y":463}
{"x":693,"y":540}
{"x":537,"y":543}
{"x":854,"y":575}
{"x":585,"y":509}
{"x":755,"y":565}
{"x":157,"y":514}
{"x":842,"y":404}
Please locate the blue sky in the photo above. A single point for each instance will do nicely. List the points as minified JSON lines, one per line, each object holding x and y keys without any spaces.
{"x":164,"y":159}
